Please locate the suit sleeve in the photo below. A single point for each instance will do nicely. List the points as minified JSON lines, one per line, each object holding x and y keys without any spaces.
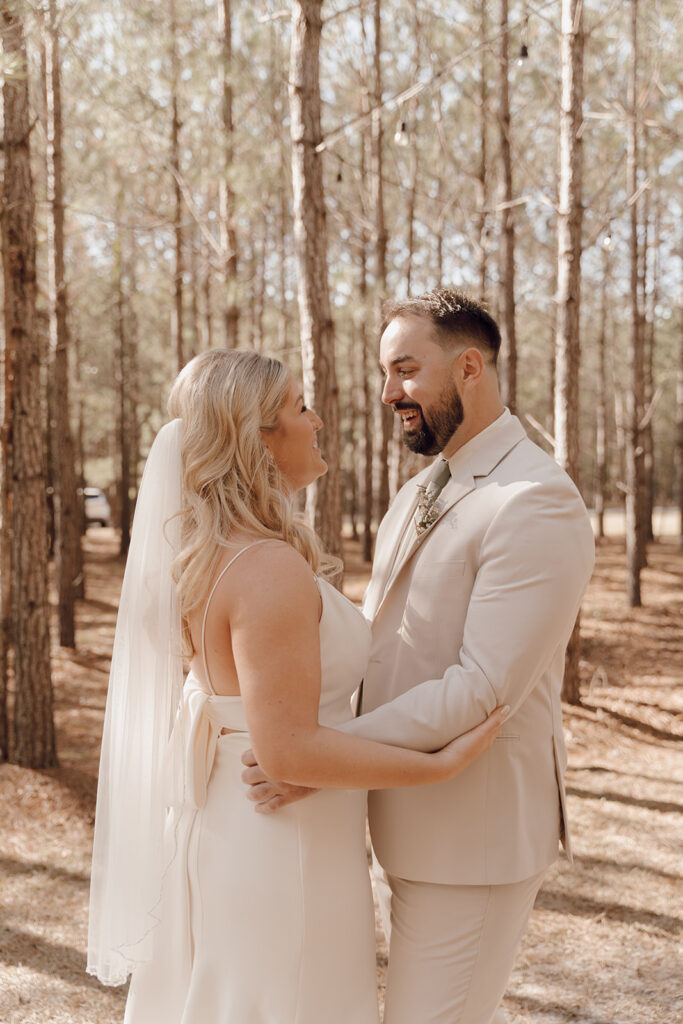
{"x":535,"y":562}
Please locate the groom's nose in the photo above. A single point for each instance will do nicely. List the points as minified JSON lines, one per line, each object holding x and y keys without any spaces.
{"x":392,"y":390}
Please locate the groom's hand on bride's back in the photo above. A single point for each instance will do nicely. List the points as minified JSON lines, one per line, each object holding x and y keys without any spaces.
{"x":264,"y":792}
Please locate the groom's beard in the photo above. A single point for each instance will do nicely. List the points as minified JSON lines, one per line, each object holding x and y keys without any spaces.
{"x":438,"y":424}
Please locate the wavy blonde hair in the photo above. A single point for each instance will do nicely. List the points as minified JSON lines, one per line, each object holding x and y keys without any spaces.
{"x":230,"y":482}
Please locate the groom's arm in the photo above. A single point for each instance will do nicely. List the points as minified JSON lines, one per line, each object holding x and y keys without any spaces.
{"x":535,"y":562}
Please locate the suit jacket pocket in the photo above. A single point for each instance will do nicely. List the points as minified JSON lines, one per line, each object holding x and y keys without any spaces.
{"x":445,"y":570}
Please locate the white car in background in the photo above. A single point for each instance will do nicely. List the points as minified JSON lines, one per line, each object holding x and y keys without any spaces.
{"x":97,"y":508}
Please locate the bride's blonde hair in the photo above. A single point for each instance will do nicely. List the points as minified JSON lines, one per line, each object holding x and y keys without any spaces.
{"x":230,"y":482}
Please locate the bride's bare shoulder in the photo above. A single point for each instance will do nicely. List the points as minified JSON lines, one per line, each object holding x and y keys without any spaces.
{"x":269,"y":571}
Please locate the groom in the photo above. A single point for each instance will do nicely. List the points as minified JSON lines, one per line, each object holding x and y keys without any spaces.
{"x":480,"y":566}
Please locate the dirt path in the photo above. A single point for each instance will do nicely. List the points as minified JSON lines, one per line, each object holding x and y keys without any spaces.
{"x":603,"y":945}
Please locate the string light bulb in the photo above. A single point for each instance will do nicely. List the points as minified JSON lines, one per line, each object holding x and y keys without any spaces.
{"x":402,"y":138}
{"x":524,"y":42}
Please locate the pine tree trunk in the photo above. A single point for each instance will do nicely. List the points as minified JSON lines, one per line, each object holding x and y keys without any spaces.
{"x":259,"y":279}
{"x":207,"y":331}
{"x":369,"y":410}
{"x":601,"y":407}
{"x":80,"y":453}
{"x":122,"y":380}
{"x":414,"y":161}
{"x":67,"y":531}
{"x":354,"y":422}
{"x":380,"y":261}
{"x":482,"y":173}
{"x":132,"y":396}
{"x":282,"y":266}
{"x":310,"y":243}
{"x":650,"y":303}
{"x":634,"y":447}
{"x":506,"y":300}
{"x":34,"y":734}
{"x":195,"y":286}
{"x":679,"y":429}
{"x":226,"y":194}
{"x":5,"y":533}
{"x":570,"y":217}
{"x":412,"y":202}
{"x":179,"y":269}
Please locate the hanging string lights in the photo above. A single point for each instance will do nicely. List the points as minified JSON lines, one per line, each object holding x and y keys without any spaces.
{"x":356,"y":123}
{"x":402,"y":135}
{"x":524,"y":39}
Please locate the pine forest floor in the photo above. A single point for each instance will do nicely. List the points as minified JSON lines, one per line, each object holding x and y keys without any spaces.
{"x":604,"y":942}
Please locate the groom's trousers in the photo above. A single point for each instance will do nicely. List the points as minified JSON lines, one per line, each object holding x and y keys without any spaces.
{"x":451,"y":948}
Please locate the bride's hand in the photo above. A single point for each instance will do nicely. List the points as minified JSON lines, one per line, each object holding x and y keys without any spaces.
{"x":267,"y":794}
{"x":465,"y":749}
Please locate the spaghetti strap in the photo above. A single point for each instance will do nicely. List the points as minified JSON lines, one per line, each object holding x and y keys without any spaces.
{"x":220,"y":576}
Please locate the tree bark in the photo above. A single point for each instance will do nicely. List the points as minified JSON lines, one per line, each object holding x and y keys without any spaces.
{"x":679,"y":429}
{"x":414,"y":157}
{"x":122,"y":376}
{"x":310,"y":244}
{"x":634,"y":446}
{"x":282,"y":318}
{"x":369,"y":408}
{"x":570,"y":218}
{"x":80,"y":448}
{"x":354,"y":421}
{"x":226,"y":194}
{"x":195,"y":288}
{"x":207,"y":332}
{"x":179,"y":269}
{"x":5,"y":531}
{"x":507,"y":229}
{"x":380,"y":252}
{"x":482,"y":172}
{"x":649,"y":307}
{"x":133,"y":375}
{"x":601,"y":406}
{"x":68,"y":564}
{"x":34,"y":734}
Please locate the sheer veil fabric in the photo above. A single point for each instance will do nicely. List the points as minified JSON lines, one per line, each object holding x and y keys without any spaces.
{"x":141,"y":763}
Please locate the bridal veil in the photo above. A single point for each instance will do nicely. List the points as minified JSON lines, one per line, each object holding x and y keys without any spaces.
{"x":141,"y":762}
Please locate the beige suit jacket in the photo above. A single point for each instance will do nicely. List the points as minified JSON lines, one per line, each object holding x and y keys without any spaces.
{"x":475,"y":613}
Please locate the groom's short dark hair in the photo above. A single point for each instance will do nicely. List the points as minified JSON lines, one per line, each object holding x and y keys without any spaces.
{"x":456,"y":318}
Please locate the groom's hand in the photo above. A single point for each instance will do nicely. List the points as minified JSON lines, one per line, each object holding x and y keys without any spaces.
{"x":265,"y":793}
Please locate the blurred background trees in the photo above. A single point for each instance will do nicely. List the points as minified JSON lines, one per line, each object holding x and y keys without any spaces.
{"x":455,"y":143}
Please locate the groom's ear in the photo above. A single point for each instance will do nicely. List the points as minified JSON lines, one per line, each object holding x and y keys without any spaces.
{"x":470,"y":366}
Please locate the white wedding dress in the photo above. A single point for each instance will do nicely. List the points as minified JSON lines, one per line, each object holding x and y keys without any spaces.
{"x":265,"y":919}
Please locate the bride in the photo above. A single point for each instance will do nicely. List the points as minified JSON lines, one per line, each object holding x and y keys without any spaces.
{"x":224,"y":916}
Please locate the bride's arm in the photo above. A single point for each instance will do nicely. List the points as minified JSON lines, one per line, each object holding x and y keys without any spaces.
{"x":274,"y":634}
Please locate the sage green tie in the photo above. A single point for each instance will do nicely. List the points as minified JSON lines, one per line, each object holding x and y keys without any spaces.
{"x":426,"y":512}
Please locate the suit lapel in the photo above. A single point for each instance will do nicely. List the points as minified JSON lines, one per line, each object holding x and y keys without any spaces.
{"x":476,"y":459}
{"x":457,"y":487}
{"x":392,"y":529}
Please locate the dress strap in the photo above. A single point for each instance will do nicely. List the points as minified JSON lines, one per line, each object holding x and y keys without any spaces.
{"x":220,"y":576}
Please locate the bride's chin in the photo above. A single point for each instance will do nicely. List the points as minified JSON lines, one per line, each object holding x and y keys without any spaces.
{"x":320,"y":472}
